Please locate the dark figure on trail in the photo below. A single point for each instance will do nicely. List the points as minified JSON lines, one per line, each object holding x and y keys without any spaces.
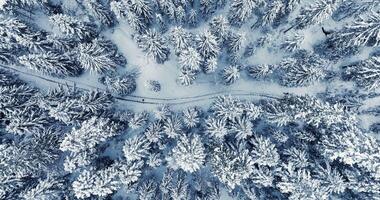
{"x":326,"y":32}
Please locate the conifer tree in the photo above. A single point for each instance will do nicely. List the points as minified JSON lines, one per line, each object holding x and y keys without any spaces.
{"x":365,"y":73}
{"x":73,"y":27}
{"x":54,"y":64}
{"x":188,"y":154}
{"x":154,"y":45}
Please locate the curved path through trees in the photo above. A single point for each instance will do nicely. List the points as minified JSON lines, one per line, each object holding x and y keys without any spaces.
{"x":141,"y":99}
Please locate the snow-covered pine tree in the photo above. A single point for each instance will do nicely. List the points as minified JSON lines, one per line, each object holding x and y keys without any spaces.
{"x":51,"y":63}
{"x":119,"y":9}
{"x":154,"y":132}
{"x":136,"y":148}
{"x":242,"y":127}
{"x":77,"y":160}
{"x":216,"y":128}
{"x":180,"y":15}
{"x":210,"y":65}
{"x":241,"y":10}
{"x":98,"y":183}
{"x":207,"y":44}
{"x":207,"y":7}
{"x":172,"y":126}
{"x":293,"y":43}
{"x":26,"y":121}
{"x":299,"y":72}
{"x":366,"y":73}
{"x":315,"y":13}
{"x":191,"y":117}
{"x":231,"y":164}
{"x":49,"y":188}
{"x":153,"y":85}
{"x":91,"y":133}
{"x":189,"y":154}
{"x":352,"y":147}
{"x":187,"y":77}
{"x":231,"y":74}
{"x":99,"y":12}
{"x":138,"y":120}
{"x":227,"y":107}
{"x":276,"y":11}
{"x":262,"y":71}
{"x":192,"y":17}
{"x":364,"y":31}
{"x":190,"y":60}
{"x":122,"y":85}
{"x":264,"y":152}
{"x":73,"y":27}
{"x":180,"y":39}
{"x":141,"y":8}
{"x":15,"y":96}
{"x":97,"y":58}
{"x":220,"y":27}
{"x":154,"y":45}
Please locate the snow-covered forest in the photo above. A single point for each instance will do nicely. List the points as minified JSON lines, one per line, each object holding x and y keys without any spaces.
{"x":190,"y":99}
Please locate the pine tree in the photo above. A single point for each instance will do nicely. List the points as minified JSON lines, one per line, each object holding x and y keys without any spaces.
{"x":54,"y":64}
{"x":154,"y":132}
{"x":187,"y":77}
{"x":242,"y":128}
{"x":189,"y":59}
{"x":153,"y":85}
{"x":14,"y":96}
{"x":73,"y":27}
{"x":71,"y":107}
{"x":241,"y":10}
{"x":207,"y":7}
{"x":188,"y":154}
{"x":316,"y":13}
{"x":122,"y":85}
{"x":231,"y":74}
{"x":99,"y":11}
{"x":180,"y":14}
{"x":27,"y":121}
{"x":95,"y":58}
{"x":207,"y":44}
{"x":275,"y":12}
{"x":172,"y":126}
{"x":264,"y":152}
{"x":154,"y":45}
{"x":216,"y":128}
{"x":227,"y":107}
{"x":300,"y":184}
{"x":293,"y":43}
{"x":220,"y":27}
{"x":180,"y":39}
{"x":301,"y":72}
{"x":138,"y":120}
{"x":232,"y":165}
{"x":91,"y":133}
{"x":191,"y":117}
{"x":77,"y":160}
{"x":260,"y":71}
{"x":142,"y":8}
{"x":99,"y":183}
{"x":364,"y":31}
{"x":366,"y":73}
{"x":211,"y":65}
{"x":136,"y":148}
{"x":45,"y":189}
{"x":192,"y":17}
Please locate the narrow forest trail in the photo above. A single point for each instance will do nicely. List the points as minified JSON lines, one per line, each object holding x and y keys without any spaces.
{"x":142,"y":99}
